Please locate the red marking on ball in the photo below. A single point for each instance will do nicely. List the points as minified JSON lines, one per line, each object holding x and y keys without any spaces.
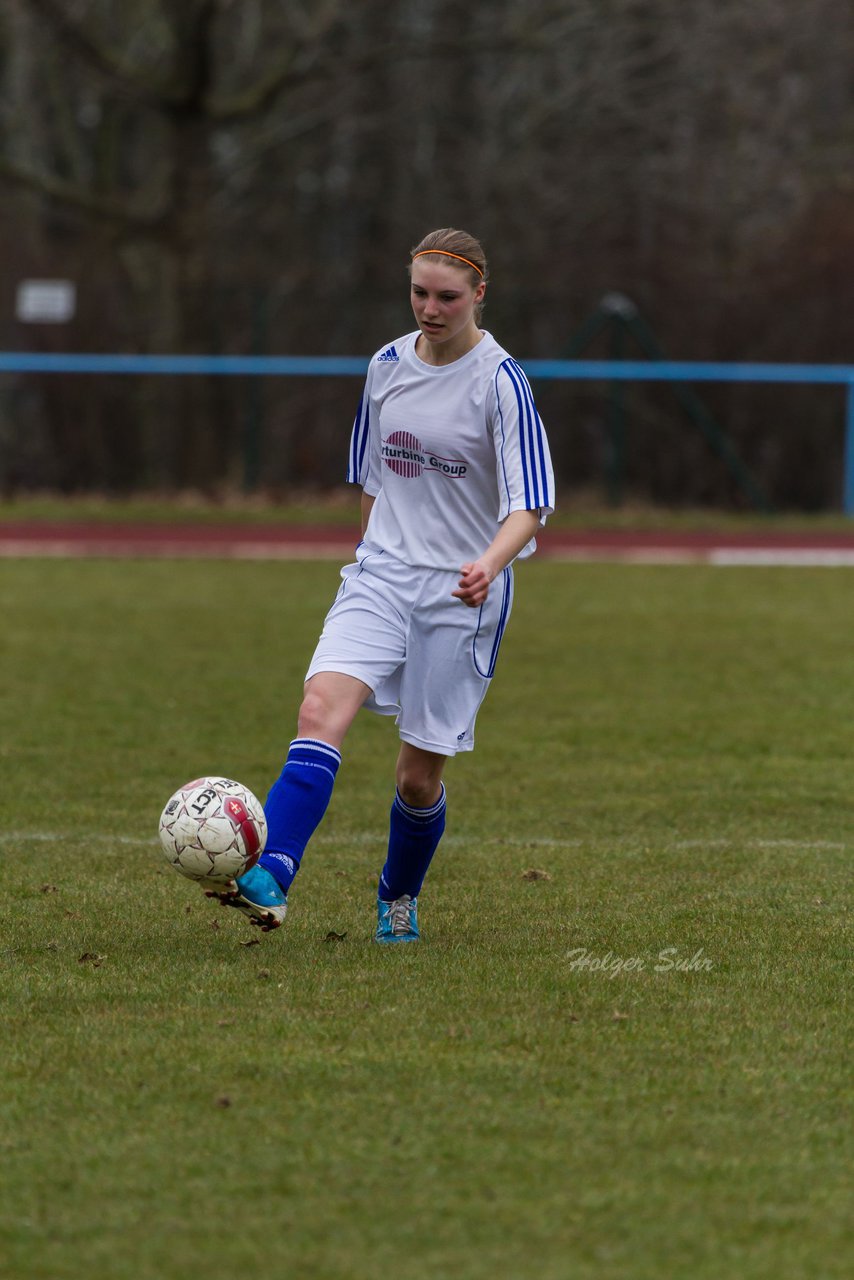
{"x":246,"y":824}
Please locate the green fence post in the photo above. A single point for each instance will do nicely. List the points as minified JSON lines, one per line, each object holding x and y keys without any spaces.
{"x":616,"y":422}
{"x":848,"y":468}
{"x":254,"y":430}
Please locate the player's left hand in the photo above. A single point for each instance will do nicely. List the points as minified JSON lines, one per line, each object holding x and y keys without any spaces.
{"x":473,"y":585}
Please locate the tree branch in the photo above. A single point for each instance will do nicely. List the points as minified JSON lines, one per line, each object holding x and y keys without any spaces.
{"x":104,"y":59}
{"x":292,"y":71}
{"x":46,"y":184}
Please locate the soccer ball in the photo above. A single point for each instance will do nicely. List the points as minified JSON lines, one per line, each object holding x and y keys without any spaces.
{"x":213,"y":829}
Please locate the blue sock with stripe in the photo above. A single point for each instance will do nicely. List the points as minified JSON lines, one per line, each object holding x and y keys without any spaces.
{"x":296,"y":803}
{"x":413,"y":838}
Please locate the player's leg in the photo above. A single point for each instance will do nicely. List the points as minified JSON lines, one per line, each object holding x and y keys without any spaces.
{"x":416,"y":824}
{"x":299,"y":798}
{"x":362,"y":645}
{"x":450,"y":662}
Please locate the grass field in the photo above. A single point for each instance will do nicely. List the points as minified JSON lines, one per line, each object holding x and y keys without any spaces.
{"x":586,"y":510}
{"x":635,"y":1065}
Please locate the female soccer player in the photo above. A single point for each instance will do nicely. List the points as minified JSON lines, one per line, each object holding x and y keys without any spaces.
{"x":456,"y":478}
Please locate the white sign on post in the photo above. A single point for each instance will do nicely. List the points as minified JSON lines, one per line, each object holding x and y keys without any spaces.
{"x":46,"y":301}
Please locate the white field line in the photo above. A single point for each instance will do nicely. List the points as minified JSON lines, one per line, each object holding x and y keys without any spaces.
{"x":378,"y":839}
{"x":59,"y":549}
{"x":719,"y":557}
{"x":625,"y":555}
{"x":62,"y":837}
{"x":785,"y":557}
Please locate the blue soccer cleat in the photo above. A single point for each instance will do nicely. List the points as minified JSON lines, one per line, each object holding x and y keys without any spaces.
{"x":397,"y":921}
{"x":257,"y":894}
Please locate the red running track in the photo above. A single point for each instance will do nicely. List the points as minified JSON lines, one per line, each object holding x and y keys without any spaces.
{"x":72,"y":539}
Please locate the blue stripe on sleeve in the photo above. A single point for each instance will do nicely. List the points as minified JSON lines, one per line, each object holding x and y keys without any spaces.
{"x":531,"y":439}
{"x":507,"y":366}
{"x":359,"y":441}
{"x":528,"y":433}
{"x":539,"y":443}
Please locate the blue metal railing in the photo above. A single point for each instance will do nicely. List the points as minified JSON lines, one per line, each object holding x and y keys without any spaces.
{"x":253,"y":366}
{"x":839,"y":375}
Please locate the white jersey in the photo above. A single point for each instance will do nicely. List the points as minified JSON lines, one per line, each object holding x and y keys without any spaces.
{"x":447,"y":451}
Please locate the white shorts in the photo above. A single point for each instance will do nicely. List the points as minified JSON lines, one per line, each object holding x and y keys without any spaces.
{"x":427,"y":657}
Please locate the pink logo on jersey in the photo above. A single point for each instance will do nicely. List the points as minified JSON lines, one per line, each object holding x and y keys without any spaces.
{"x":404,"y":454}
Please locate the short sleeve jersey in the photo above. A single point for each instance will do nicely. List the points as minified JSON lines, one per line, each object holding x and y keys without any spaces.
{"x":448,"y":452}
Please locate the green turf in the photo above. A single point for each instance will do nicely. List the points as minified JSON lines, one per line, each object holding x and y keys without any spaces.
{"x":632,"y":1066}
{"x":587,"y":510}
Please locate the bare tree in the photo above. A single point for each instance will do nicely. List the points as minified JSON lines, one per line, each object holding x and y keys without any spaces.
{"x":243,"y":176}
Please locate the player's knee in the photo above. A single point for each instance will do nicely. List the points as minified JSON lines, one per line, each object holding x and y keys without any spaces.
{"x":316,"y":716}
{"x":329,"y":705}
{"x":420,"y":785}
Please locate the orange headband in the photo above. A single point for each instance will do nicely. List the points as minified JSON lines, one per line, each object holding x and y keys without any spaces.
{"x":445,"y":254}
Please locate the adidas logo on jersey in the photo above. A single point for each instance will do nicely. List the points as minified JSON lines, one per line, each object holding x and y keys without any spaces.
{"x":389,"y":355}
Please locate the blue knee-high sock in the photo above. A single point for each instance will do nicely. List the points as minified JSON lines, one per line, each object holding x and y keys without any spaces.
{"x":296,"y":803}
{"x":414,"y":835}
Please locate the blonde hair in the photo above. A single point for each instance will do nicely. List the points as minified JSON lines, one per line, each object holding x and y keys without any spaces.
{"x":460,"y":250}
